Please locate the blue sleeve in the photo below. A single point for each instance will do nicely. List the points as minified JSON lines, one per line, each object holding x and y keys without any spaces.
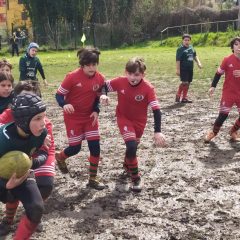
{"x":60,"y":100}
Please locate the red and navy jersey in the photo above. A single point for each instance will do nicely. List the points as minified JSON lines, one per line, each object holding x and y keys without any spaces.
{"x":133,"y":101}
{"x":81,"y":91}
{"x":231,"y":85}
{"x":48,"y":168}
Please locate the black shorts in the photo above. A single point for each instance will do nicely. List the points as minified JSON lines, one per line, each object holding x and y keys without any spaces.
{"x":186,"y":75}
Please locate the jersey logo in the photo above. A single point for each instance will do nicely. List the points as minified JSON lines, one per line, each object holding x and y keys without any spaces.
{"x":125,"y":128}
{"x":139,"y":98}
{"x":230,"y":65}
{"x":122,"y":91}
{"x":95,"y":87}
{"x":28,"y":63}
{"x":72,"y":132}
{"x":79,"y":85}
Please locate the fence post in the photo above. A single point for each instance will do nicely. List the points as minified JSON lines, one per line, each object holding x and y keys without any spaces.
{"x":161,"y":37}
{"x":217,"y":27}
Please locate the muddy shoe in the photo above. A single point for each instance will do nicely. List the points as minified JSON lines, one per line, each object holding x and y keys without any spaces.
{"x":61,"y":163}
{"x":136,"y":185}
{"x":5,"y":228}
{"x":39,"y":227}
{"x":234,"y":136}
{"x":126,"y":172}
{"x":95,"y":184}
{"x":209,"y":136}
{"x":185,"y":100}
{"x":177,"y":99}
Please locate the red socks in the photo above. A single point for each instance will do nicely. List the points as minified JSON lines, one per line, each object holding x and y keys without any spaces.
{"x":25,"y":229}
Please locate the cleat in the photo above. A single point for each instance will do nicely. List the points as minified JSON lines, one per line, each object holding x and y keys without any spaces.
{"x":185,"y":100}
{"x":235,"y":137}
{"x":95,"y":184}
{"x":209,"y":136}
{"x":61,"y":163}
{"x":39,"y":227}
{"x":5,"y":228}
{"x":136,"y":185}
{"x":177,"y":99}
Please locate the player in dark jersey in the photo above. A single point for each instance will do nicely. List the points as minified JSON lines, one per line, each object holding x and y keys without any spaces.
{"x":135,"y":94}
{"x":184,"y":67}
{"x":78,"y":95}
{"x":26,"y":134}
{"x":230,"y":66}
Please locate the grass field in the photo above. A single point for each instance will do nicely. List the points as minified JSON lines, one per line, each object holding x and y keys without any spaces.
{"x":160,"y":63}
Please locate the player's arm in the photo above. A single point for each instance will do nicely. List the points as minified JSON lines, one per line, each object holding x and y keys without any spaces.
{"x":196,"y":59}
{"x":39,"y":158}
{"x":215,"y":81}
{"x":22,"y":69}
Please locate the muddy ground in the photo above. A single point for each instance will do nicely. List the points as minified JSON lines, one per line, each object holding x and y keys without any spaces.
{"x":191,"y":189}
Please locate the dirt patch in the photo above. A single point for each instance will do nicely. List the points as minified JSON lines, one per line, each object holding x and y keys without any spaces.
{"x":191,"y":189}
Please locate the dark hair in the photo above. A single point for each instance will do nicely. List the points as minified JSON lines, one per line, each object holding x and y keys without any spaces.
{"x":186,"y":35}
{"x":236,"y":39}
{"x":135,"y":64}
{"x":88,"y":55}
{"x":5,"y":76}
{"x":27,"y":85}
{"x":4,"y":62}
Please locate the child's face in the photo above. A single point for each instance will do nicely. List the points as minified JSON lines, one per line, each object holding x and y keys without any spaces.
{"x":5,"y":69}
{"x":236,"y":47}
{"x":37,"y":124}
{"x":186,"y":42}
{"x":134,"y":78}
{"x":90,"y":69}
{"x":33,"y":52}
{"x":5,"y":88}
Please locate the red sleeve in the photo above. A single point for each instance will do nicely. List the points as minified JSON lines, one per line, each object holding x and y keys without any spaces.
{"x":113,"y":85}
{"x":223,"y":67}
{"x":6,"y":116}
{"x":152,"y":99}
{"x":66,"y":85}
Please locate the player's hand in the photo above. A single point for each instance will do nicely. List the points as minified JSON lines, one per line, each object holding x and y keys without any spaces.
{"x":14,"y":181}
{"x":236,"y":73}
{"x":45,"y":82}
{"x":211,"y":91}
{"x":68,"y":108}
{"x":104,"y":100}
{"x":200,"y":65}
{"x":94,"y":115}
{"x":159,"y":139}
{"x":178,"y":72}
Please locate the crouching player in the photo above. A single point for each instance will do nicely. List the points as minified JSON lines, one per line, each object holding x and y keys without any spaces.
{"x":27,"y":134}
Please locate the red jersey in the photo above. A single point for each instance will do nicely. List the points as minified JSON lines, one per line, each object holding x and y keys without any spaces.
{"x":231,"y":85}
{"x":133,"y":101}
{"x":81,"y":91}
{"x":48,"y":168}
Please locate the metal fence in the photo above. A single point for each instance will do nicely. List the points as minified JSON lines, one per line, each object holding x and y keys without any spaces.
{"x":218,"y":26}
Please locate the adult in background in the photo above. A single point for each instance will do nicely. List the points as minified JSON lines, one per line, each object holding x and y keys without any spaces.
{"x":29,"y":64}
{"x":184,"y":67}
{"x":14,"y":41}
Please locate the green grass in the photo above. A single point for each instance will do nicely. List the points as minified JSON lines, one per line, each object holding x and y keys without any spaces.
{"x":160,"y":63}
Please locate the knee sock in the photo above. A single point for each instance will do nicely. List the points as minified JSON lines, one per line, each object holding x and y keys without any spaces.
{"x":11,"y":209}
{"x":133,"y":168}
{"x":93,"y":167}
{"x":25,"y":229}
{"x":180,"y":89}
{"x":236,"y":126}
{"x":185,"y":90}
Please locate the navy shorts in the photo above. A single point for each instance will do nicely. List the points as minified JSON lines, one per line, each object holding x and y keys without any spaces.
{"x":186,"y":75}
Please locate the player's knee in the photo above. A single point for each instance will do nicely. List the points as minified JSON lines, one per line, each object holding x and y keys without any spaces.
{"x":72,"y":150}
{"x":34,"y":212}
{"x":94,"y":148}
{"x":131,"y":150}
